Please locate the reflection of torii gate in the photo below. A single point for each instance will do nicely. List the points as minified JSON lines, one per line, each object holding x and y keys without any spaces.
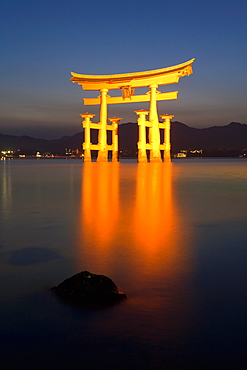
{"x":127,"y":82}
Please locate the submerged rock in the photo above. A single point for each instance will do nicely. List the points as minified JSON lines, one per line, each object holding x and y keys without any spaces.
{"x":89,"y":290}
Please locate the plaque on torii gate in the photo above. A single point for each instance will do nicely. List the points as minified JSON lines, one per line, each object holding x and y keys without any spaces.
{"x":127,"y":82}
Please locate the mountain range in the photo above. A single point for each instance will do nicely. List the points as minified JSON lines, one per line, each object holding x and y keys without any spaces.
{"x":230,"y":137}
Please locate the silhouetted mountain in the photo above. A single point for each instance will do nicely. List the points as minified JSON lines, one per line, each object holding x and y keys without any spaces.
{"x":230,"y":137}
{"x":9,"y":142}
{"x":128,"y":136}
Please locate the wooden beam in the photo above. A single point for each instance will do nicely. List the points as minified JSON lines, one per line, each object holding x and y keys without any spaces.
{"x":134,"y":99}
{"x":97,"y":126}
{"x":92,"y":125}
{"x":161,"y":76}
{"x":156,"y":80}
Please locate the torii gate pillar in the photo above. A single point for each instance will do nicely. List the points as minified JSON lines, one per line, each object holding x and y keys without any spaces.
{"x":167,"y":140}
{"x":154,"y":132}
{"x":114,"y":121}
{"x":141,"y":145}
{"x":102,"y":139}
{"x":87,"y":140}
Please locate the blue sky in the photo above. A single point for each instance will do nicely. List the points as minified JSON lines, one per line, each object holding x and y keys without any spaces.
{"x":42,"y":41}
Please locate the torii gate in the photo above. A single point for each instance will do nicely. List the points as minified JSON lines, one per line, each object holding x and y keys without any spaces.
{"x":127,"y":82}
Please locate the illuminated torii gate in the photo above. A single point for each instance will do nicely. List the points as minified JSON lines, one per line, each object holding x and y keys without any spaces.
{"x":127,"y":82}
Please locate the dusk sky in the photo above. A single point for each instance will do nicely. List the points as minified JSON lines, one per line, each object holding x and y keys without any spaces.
{"x":43,"y":41}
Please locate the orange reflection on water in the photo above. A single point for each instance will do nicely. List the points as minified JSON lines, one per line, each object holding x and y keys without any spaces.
{"x":162,"y":233}
{"x":132,"y":211}
{"x":154,"y":212}
{"x":163,"y":242}
{"x":133,"y":230}
{"x":99,"y":204}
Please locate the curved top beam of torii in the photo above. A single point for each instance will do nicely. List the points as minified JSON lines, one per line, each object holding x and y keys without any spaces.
{"x":163,"y":76}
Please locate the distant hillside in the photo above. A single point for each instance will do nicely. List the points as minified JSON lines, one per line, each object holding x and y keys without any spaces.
{"x":27,"y":143}
{"x":230,"y":137}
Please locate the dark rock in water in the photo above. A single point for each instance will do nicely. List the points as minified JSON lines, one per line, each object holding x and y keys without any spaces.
{"x":89,"y":290}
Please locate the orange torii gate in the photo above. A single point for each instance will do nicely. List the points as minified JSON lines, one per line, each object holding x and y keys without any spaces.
{"x":127,"y":82}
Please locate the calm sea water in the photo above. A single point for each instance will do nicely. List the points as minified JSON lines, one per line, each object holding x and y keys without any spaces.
{"x":173,"y":237}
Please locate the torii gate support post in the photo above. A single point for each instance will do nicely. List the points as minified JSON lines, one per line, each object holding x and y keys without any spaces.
{"x":102,"y":138}
{"x":167,"y":142}
{"x":154,"y":132}
{"x":141,"y":145}
{"x":87,"y":140}
{"x":114,"y":121}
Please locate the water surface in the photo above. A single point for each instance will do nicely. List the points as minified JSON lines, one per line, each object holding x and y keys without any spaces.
{"x":172,"y":236}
